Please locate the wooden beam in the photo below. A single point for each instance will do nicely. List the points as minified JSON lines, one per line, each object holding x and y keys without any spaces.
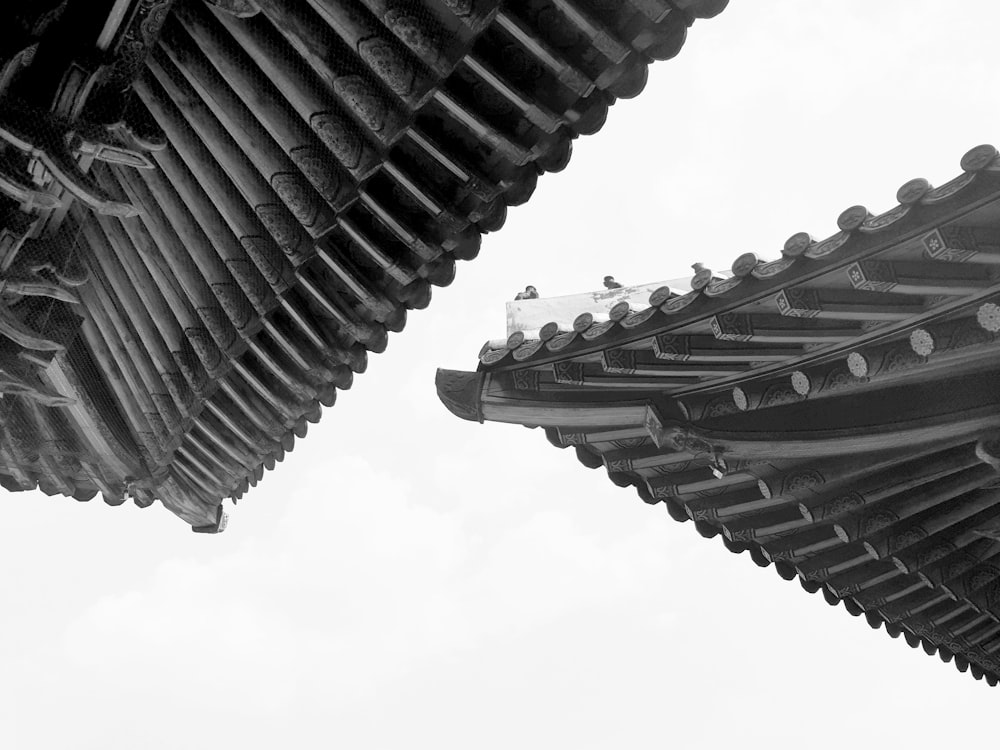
{"x":889,"y":592}
{"x":392,"y":63}
{"x":104,"y":260}
{"x":124,"y":383}
{"x":173,"y":91}
{"x":597,"y":434}
{"x":260,"y":98}
{"x":255,"y":438}
{"x":921,"y":433}
{"x":884,"y":516}
{"x":731,"y":504}
{"x":916,"y":277}
{"x":863,"y":577}
{"x":115,"y":450}
{"x":914,"y":604}
{"x":168,"y":257}
{"x":245,"y":224}
{"x":382,"y":116}
{"x":647,"y":363}
{"x":882,"y":481}
{"x":219,"y":256}
{"x":939,"y":560}
{"x":430,"y":37}
{"x":697,"y":480}
{"x":710,"y":349}
{"x":844,"y":304}
{"x":957,"y":243}
{"x":214,"y":109}
{"x":976,"y":578}
{"x":898,"y":537}
{"x":557,"y":64}
{"x":765,"y":525}
{"x":162,"y":414}
{"x":798,"y":546}
{"x":766,"y":328}
{"x":829,"y":563}
{"x":356,"y":149}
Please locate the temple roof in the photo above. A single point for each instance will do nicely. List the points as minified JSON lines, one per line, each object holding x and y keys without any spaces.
{"x":832,"y":412}
{"x":223,"y":209}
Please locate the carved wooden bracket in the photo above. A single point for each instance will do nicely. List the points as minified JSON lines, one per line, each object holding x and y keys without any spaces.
{"x":678,"y":436}
{"x":461,"y":393}
{"x":19,"y":377}
{"x":43,"y":141}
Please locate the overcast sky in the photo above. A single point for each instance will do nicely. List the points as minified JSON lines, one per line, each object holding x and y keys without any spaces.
{"x":407,"y":579}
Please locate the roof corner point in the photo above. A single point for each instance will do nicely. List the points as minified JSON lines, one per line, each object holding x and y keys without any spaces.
{"x":461,"y":393}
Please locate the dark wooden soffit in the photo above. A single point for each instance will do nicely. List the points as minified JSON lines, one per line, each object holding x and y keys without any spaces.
{"x":833,"y":413}
{"x":214,"y":209}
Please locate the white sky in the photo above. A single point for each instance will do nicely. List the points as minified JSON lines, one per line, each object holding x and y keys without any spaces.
{"x":406,"y":579}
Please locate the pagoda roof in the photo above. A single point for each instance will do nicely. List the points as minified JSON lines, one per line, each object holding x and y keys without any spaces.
{"x":255,"y":194}
{"x":833,"y":412}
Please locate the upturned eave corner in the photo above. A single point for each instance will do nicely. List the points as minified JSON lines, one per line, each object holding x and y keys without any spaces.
{"x":192,"y":230}
{"x":461,"y":393}
{"x":217,"y":526}
{"x":832,"y":413}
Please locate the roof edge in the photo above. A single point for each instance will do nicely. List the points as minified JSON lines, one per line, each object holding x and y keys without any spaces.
{"x":702,"y":8}
{"x":461,"y":393}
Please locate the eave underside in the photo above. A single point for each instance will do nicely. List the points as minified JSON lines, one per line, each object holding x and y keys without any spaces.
{"x":325,"y":164}
{"x":832,"y":413}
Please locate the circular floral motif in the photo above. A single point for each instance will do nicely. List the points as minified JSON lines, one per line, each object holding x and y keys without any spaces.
{"x":702,"y":277}
{"x":658,"y":297}
{"x":364,"y":100}
{"x":414,"y":35}
{"x":980,"y":578}
{"x":583,"y":321}
{"x":619,"y":311}
{"x":857,"y":364}
{"x":296,"y":194}
{"x":515,"y":339}
{"x":913,"y":191}
{"x":852,"y":218}
{"x":935,"y":553}
{"x":804,"y":480}
{"x":796,"y":244}
{"x":988,"y":317}
{"x":744,"y":264}
{"x":281,"y":226}
{"x":719,"y":408}
{"x":845,"y":504}
{"x":978,"y":158}
{"x":906,"y":538}
{"x":801,"y":383}
{"x":922,"y":342}
{"x":877,"y":521}
{"x":339,"y":138}
{"x":740,"y":399}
